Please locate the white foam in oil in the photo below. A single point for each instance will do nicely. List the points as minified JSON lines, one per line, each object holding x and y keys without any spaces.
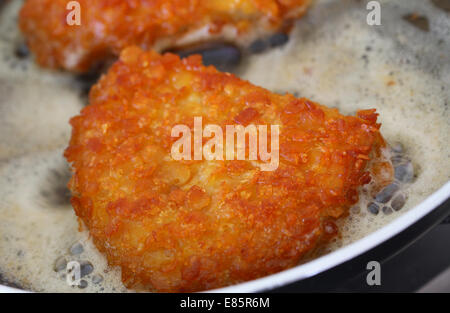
{"x":333,"y":57}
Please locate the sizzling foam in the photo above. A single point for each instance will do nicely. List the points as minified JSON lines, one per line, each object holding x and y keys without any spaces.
{"x":333,"y":57}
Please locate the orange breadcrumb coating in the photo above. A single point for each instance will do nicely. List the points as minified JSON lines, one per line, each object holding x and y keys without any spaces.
{"x":196,"y":225}
{"x":108,"y":26}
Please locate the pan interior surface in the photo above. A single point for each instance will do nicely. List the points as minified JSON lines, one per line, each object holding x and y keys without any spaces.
{"x":401,"y":68}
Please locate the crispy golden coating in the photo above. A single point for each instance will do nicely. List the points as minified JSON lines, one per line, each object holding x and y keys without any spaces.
{"x":196,"y":225}
{"x":108,"y":26}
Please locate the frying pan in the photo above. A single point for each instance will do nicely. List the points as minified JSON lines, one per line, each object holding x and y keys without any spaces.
{"x":426,"y":18}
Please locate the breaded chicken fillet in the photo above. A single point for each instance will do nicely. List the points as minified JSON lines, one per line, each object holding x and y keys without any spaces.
{"x":108,"y":26}
{"x":196,"y":225}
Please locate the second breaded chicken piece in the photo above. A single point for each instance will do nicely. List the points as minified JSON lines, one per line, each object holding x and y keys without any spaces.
{"x":108,"y":26}
{"x":195,"y":225}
